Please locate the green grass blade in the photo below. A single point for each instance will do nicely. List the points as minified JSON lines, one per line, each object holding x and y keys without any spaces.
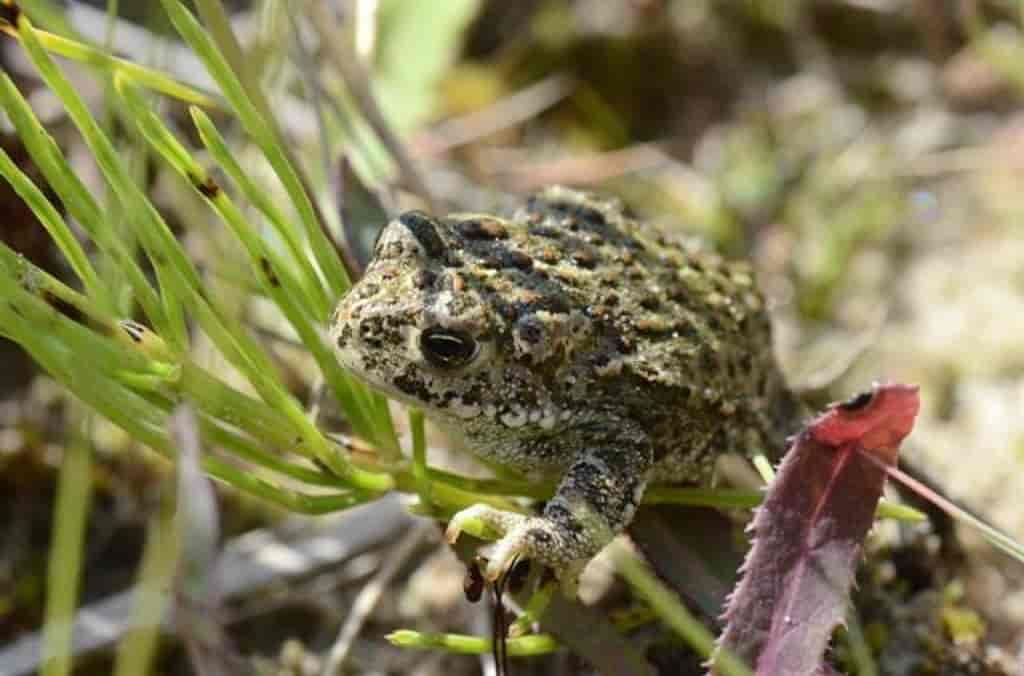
{"x":277,"y":281}
{"x":420,"y":469}
{"x":246,"y":449}
{"x":76,"y":198}
{"x":179,"y":279}
{"x":235,"y":408}
{"x":49,"y":311}
{"x":260,"y":198}
{"x":181,"y":286}
{"x":47,"y":13}
{"x":461,"y":644}
{"x":63,"y":359}
{"x":91,"y":56}
{"x":667,"y":606}
{"x":91,"y":364}
{"x":49,"y":289}
{"x":50,"y":219}
{"x":136,"y":651}
{"x":141,"y":418}
{"x":63,"y":574}
{"x":996,"y":538}
{"x":262,"y":133}
{"x":165,"y":253}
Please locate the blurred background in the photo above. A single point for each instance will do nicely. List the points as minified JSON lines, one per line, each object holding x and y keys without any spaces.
{"x":867,"y":155}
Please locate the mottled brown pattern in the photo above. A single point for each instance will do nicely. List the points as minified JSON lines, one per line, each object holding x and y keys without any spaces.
{"x":570,"y":340}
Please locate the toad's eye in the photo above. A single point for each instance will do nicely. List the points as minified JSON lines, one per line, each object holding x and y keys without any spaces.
{"x":858,"y":402}
{"x":445,"y":348}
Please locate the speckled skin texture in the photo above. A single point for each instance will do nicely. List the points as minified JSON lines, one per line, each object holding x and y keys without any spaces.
{"x":568,"y":341}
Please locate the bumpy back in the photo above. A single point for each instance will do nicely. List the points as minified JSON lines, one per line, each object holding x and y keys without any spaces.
{"x":689,"y":328}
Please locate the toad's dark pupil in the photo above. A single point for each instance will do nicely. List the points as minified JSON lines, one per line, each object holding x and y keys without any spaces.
{"x":447,"y":349}
{"x":858,"y":402}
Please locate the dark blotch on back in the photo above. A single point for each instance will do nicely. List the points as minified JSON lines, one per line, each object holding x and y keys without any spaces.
{"x":503,"y":257}
{"x":580,"y":217}
{"x":590,"y":219}
{"x":479,"y":228}
{"x":650,"y":302}
{"x":585,"y":258}
{"x":519,"y":260}
{"x":553,"y":304}
{"x":424,"y":229}
{"x":514,"y":310}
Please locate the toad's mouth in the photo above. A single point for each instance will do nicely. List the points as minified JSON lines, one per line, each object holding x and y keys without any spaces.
{"x":364,"y":367}
{"x":374,"y":368}
{"x":437,"y":397}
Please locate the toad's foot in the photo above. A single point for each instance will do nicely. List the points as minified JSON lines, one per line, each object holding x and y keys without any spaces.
{"x":595,"y":500}
{"x":561,"y":545}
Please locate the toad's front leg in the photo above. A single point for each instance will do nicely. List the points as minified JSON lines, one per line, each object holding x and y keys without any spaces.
{"x":595,"y":500}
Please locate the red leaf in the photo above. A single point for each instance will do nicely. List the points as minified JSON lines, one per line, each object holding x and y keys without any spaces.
{"x":808,"y":533}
